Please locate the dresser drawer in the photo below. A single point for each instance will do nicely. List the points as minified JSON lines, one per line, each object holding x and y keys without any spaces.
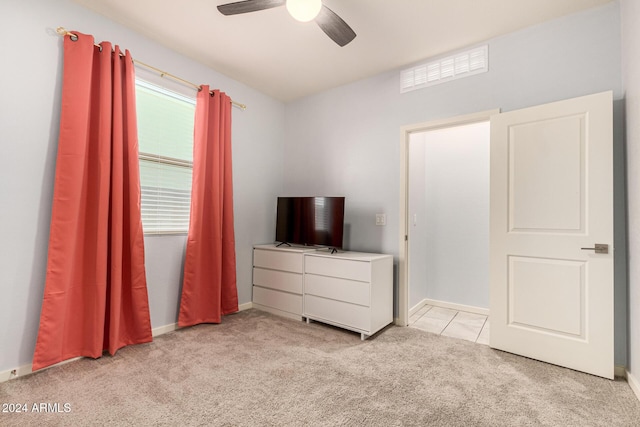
{"x":279,"y":280}
{"x":278,"y":260}
{"x":281,"y":300}
{"x":337,"y":312}
{"x":338,"y":289}
{"x":335,"y":267}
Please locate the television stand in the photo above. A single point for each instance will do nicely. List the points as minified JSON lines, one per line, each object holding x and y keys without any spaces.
{"x":283,"y":243}
{"x":351,"y":290}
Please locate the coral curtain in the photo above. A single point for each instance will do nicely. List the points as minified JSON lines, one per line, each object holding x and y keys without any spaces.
{"x":95,"y":295}
{"x":209,"y":285}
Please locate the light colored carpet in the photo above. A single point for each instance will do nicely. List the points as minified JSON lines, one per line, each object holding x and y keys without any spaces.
{"x":256,"y":369}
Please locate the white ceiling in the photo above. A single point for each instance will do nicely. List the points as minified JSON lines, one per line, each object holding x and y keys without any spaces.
{"x":271,"y":52}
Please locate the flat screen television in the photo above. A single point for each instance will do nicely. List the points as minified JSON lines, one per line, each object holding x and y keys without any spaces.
{"x":310,"y":221}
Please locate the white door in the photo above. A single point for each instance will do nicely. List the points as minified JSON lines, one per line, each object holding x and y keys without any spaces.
{"x":551,"y":200}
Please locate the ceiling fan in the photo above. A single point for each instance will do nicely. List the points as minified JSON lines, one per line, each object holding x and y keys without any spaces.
{"x":302,"y":10}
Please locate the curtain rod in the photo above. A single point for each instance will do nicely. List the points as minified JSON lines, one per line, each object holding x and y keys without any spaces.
{"x":63,"y":32}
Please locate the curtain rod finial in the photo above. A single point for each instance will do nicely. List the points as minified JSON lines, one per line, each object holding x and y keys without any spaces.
{"x":62,"y":31}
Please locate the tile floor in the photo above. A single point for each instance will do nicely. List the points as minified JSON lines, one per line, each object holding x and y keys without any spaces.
{"x":452,"y":323}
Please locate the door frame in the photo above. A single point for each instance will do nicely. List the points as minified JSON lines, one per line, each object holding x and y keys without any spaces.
{"x":403,"y":247}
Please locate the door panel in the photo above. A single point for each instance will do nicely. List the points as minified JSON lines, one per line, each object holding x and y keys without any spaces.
{"x":552,"y":196}
{"x":556,"y":285}
{"x":547,"y":175}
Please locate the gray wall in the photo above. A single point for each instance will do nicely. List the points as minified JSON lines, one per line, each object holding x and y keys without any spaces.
{"x":346,"y":140}
{"x":29,"y":116}
{"x":630,"y":12}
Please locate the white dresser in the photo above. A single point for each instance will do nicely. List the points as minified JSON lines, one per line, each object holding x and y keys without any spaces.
{"x":277,"y":279}
{"x":351,"y":290}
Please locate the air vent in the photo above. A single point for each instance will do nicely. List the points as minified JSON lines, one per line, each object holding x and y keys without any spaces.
{"x":453,"y":67}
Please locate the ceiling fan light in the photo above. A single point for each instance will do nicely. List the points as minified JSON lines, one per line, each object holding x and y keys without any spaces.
{"x":304,"y":10}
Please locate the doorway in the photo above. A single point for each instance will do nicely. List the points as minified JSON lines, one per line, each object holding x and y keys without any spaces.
{"x":449,"y":218}
{"x":551,"y":223}
{"x":425,"y":227}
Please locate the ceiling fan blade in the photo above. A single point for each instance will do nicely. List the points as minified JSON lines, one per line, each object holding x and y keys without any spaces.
{"x":333,"y":26}
{"x":248,"y":6}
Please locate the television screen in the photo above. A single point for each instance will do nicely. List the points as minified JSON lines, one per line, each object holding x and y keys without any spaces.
{"x":313,"y":221}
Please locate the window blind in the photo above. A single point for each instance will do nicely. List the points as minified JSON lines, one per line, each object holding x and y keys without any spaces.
{"x":165,"y":138}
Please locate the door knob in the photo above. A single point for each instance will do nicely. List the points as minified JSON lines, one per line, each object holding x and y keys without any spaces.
{"x":600,"y":248}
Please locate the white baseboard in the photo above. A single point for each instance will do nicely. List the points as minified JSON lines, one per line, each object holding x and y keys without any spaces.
{"x":450,"y":305}
{"x":634,"y":383}
{"x":160,"y":330}
{"x":28,"y":369}
{"x":245,"y":306}
{"x":15,"y":373}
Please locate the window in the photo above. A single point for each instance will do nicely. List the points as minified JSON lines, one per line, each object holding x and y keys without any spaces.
{"x":165,"y":138}
{"x":460,"y":65}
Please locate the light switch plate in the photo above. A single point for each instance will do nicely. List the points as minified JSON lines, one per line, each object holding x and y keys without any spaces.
{"x":381,"y":219}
